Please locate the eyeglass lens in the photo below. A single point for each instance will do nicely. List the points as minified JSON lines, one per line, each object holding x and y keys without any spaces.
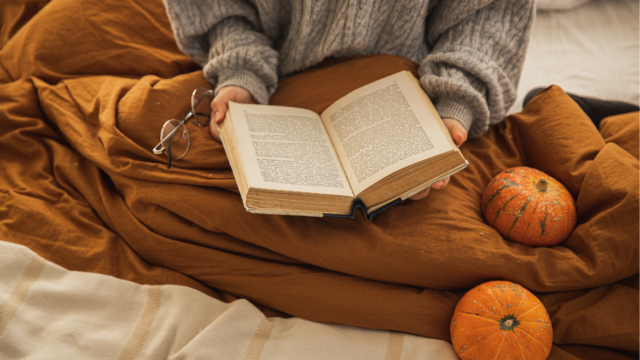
{"x":201,"y":106}
{"x":180,"y":140}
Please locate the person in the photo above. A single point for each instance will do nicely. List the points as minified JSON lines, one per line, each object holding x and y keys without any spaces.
{"x":470,"y":53}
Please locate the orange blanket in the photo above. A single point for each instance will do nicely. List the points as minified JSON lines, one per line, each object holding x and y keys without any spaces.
{"x":85,"y":88}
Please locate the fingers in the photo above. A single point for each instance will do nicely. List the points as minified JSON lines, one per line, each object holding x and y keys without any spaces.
{"x":458,"y":132}
{"x":219,"y":108}
{"x":218,"y":111}
{"x":438,"y":186}
{"x":220,"y":104}
{"x":441,"y":184}
{"x":421,"y":195}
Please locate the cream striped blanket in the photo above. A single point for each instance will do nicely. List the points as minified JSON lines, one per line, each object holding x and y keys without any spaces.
{"x":47,"y":312}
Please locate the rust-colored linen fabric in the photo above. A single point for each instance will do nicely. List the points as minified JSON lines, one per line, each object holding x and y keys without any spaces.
{"x":14,"y":14}
{"x":85,"y":90}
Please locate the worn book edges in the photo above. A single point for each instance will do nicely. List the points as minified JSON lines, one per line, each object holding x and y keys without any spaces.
{"x":371,"y":149}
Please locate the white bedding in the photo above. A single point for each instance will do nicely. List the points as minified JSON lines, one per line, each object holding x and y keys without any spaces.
{"x":47,"y":312}
{"x":590,"y":50}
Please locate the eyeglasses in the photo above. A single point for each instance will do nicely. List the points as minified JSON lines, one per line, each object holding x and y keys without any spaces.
{"x":174,"y":136}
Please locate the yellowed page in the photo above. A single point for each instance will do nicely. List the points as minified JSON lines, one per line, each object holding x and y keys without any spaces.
{"x":284,"y":148}
{"x":381,"y":128}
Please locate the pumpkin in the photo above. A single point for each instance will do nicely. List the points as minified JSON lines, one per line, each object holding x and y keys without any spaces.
{"x":530,"y":207}
{"x":501,"y":320}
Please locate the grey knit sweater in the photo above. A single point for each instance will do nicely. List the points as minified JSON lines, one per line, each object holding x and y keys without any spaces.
{"x":470,"y":52}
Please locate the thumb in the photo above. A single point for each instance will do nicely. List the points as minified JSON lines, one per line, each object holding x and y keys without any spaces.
{"x":219,"y":107}
{"x":458,"y":132}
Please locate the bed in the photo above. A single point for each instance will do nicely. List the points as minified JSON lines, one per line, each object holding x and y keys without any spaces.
{"x":85,"y":89}
{"x":589,"y":50}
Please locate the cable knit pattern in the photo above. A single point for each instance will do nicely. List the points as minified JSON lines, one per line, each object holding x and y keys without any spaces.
{"x":470,"y":52}
{"x":477,"y":55}
{"x":230,"y":42}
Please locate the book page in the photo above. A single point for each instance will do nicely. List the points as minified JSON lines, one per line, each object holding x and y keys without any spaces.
{"x":284,"y":148}
{"x":381,"y":128}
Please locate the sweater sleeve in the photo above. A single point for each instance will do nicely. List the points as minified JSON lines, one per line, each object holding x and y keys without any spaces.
{"x":223,"y":37}
{"x":476,"y":58}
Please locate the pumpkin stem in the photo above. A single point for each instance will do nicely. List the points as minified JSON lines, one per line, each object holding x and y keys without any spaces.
{"x":541,"y":185}
{"x":509,"y":322}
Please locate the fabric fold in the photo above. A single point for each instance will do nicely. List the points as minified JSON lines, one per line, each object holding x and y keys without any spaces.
{"x":80,"y":186}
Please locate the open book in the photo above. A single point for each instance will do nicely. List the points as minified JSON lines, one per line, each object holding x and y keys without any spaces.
{"x":373,"y":148}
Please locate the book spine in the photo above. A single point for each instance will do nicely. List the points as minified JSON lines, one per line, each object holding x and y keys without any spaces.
{"x":358,"y":204}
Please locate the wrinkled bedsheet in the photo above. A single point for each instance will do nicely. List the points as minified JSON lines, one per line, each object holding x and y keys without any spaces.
{"x":48,"y":312}
{"x":85,"y":88}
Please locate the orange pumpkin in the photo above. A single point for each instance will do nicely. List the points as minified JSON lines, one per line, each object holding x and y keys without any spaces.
{"x":501,"y":320}
{"x":530,"y":207}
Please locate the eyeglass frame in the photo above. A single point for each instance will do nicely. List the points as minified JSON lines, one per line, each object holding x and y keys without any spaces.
{"x":159,"y":149}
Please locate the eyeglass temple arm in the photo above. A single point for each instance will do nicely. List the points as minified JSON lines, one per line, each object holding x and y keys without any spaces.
{"x":169,"y":155}
{"x":159,"y":149}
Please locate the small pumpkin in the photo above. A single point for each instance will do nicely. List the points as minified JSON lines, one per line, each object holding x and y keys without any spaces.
{"x":530,"y":207}
{"x":501,"y":320}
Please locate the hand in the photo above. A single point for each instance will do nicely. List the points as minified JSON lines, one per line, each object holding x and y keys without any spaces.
{"x":220,"y":104}
{"x":459,"y":135}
